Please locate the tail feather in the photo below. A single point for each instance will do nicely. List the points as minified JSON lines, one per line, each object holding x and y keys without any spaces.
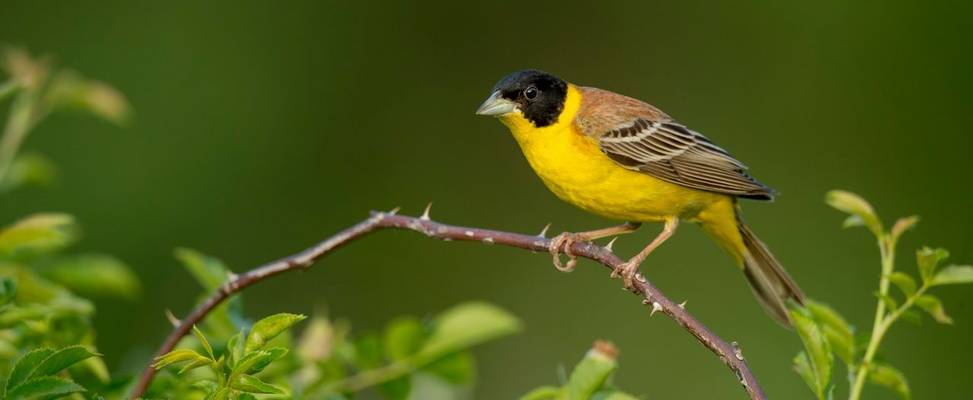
{"x":770,"y":283}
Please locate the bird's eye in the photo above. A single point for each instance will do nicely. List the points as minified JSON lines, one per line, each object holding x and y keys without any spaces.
{"x":530,"y":93}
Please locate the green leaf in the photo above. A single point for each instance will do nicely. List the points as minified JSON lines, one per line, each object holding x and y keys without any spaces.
{"x":954,"y":275}
{"x":543,"y":393}
{"x":819,"y":356}
{"x":802,"y":365}
{"x":613,"y":395}
{"x":402,"y":338}
{"x":252,"y":384}
{"x":205,"y":385}
{"x":268,"y":328}
{"x":177,"y":356}
{"x":208,"y":271}
{"x":887,"y":376}
{"x":934,"y":307}
{"x":928,"y":259}
{"x":47,"y":387}
{"x":222,"y":394}
{"x":199,"y":362}
{"x":852,"y":221}
{"x":256,"y":361}
{"x":32,"y":289}
{"x":467,"y":325}
{"x":838,"y":332}
{"x":234,"y":348}
{"x":397,"y":389}
{"x":590,"y":375}
{"x":246,"y":396}
{"x":25,"y":366}
{"x":456,"y":368}
{"x":903,"y":225}
{"x":211,"y":274}
{"x":94,"y":275}
{"x":69,"y":89}
{"x":368,"y":351}
{"x":38,"y":233}
{"x":8,"y":290}
{"x":61,"y":359}
{"x":90,"y":372}
{"x":913,"y":316}
{"x":853,"y":204}
{"x":28,"y":170}
{"x":204,"y":342}
{"x":904,"y":282}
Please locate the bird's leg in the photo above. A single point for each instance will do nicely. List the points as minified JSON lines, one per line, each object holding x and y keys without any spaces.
{"x":630,"y":269}
{"x":566,"y":239}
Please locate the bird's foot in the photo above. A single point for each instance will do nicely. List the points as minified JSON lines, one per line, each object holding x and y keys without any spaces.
{"x":629,"y":272}
{"x":564,"y":240}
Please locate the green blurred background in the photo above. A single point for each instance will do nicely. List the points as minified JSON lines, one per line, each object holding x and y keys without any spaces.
{"x":263,"y":127}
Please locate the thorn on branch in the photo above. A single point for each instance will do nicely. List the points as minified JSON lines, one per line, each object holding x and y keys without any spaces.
{"x":683,"y":304}
{"x":543,"y":233}
{"x":737,"y":351}
{"x":394,"y":210}
{"x":731,"y":355}
{"x":611,"y":244}
{"x":172,"y":318}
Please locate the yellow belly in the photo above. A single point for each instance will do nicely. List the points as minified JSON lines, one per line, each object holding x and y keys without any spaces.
{"x":574,"y":168}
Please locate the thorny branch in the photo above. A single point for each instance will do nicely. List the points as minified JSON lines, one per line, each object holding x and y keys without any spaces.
{"x":729,"y":354}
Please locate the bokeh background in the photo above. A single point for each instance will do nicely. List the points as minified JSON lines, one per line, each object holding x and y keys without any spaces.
{"x":263,"y":127}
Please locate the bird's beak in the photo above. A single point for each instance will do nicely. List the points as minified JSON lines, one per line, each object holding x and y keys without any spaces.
{"x":496,"y":105}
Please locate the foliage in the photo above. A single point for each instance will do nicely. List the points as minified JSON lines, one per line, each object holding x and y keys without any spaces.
{"x":590,"y":379}
{"x":41,"y":303}
{"x":244,"y":357}
{"x":35,"y":375}
{"x":45,"y":311}
{"x":37,"y":90}
{"x":41,"y":308}
{"x":827,"y":335}
{"x":408,"y":359}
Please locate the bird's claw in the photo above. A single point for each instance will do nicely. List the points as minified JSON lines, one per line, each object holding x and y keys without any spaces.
{"x":629,"y":272}
{"x":565,"y":240}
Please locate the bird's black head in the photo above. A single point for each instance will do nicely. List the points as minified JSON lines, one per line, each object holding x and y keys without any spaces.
{"x":538,"y":95}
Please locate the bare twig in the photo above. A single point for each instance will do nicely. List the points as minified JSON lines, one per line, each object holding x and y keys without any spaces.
{"x":652,"y":296}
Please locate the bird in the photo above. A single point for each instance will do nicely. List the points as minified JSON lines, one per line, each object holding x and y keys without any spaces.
{"x":624,"y":159}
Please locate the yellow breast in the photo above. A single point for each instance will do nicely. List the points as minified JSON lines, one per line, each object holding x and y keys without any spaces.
{"x":574,"y":168}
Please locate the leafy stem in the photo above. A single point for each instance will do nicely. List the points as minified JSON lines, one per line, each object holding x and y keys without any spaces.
{"x":37,"y":90}
{"x":886,"y":244}
{"x":18,"y":125}
{"x":826,"y":334}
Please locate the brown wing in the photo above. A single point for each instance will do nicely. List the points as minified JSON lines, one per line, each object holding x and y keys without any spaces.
{"x":671,"y":152}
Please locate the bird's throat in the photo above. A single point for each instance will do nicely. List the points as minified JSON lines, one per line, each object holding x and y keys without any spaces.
{"x":526,"y":132}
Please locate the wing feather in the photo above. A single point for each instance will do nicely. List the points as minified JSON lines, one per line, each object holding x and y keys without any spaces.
{"x":674,"y":153}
